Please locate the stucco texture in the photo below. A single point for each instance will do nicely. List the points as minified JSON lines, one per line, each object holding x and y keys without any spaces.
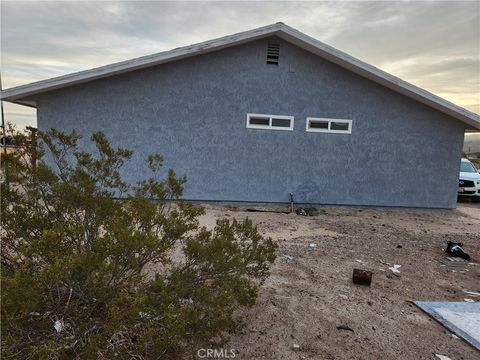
{"x":193,"y":112}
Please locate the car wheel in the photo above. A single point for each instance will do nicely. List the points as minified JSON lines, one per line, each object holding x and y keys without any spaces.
{"x":476,"y":199}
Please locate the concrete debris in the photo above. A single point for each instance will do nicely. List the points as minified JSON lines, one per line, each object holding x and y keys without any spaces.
{"x":362,"y":277}
{"x":469,"y":300}
{"x":296,"y":347}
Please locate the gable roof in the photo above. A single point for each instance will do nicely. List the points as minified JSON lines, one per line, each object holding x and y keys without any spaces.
{"x":21,"y":93}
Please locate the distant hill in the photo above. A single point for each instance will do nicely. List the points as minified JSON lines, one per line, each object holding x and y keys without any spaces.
{"x":471,"y":143}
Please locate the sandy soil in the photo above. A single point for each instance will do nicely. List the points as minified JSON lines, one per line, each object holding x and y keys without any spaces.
{"x":305,"y":299}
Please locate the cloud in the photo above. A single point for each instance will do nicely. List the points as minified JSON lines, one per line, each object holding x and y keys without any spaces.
{"x":451,"y":78}
{"x":435,"y":45}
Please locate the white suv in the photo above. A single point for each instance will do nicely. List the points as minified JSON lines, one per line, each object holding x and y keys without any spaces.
{"x":469,"y":182}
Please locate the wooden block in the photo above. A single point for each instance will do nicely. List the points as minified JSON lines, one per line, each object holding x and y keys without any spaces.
{"x":362,"y":277}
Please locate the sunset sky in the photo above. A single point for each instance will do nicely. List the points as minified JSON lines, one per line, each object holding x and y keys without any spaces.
{"x":434,"y":45}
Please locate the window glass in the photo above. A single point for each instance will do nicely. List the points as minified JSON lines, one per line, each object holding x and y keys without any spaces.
{"x":281,"y":122}
{"x":318,"y":124}
{"x":336,"y":125}
{"x":259,"y":121}
{"x":467,"y":167}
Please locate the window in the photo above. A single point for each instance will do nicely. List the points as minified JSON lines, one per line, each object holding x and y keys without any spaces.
{"x":335,"y":126}
{"x":272,"y":122}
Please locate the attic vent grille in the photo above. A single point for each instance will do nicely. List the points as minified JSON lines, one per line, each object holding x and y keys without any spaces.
{"x":273,"y":54}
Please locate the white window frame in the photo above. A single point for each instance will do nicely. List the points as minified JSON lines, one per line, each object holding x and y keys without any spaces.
{"x":269,"y":126}
{"x":328,"y":130}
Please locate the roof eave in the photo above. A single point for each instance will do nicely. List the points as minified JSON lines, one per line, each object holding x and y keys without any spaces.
{"x":29,"y":103}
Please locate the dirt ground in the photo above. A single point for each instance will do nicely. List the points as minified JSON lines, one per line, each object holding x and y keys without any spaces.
{"x":307,"y":297}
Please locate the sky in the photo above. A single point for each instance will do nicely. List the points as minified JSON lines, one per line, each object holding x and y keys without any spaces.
{"x":434,"y":44}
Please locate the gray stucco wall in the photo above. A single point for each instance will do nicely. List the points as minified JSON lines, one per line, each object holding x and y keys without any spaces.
{"x":193,"y":111}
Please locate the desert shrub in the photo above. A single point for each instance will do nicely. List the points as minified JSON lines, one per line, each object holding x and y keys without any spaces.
{"x":88,"y":276}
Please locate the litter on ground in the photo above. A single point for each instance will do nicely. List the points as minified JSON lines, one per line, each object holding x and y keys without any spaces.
{"x":442,"y":357}
{"x":395,"y":268}
{"x":59,"y":326}
{"x":454,"y":261}
{"x":344,"y":327}
{"x":455,"y":249}
{"x":307,"y":211}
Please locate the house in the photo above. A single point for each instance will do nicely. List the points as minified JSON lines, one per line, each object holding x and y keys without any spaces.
{"x":257,"y":115}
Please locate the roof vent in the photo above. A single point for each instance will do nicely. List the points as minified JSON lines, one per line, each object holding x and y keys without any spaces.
{"x":273,"y":54}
